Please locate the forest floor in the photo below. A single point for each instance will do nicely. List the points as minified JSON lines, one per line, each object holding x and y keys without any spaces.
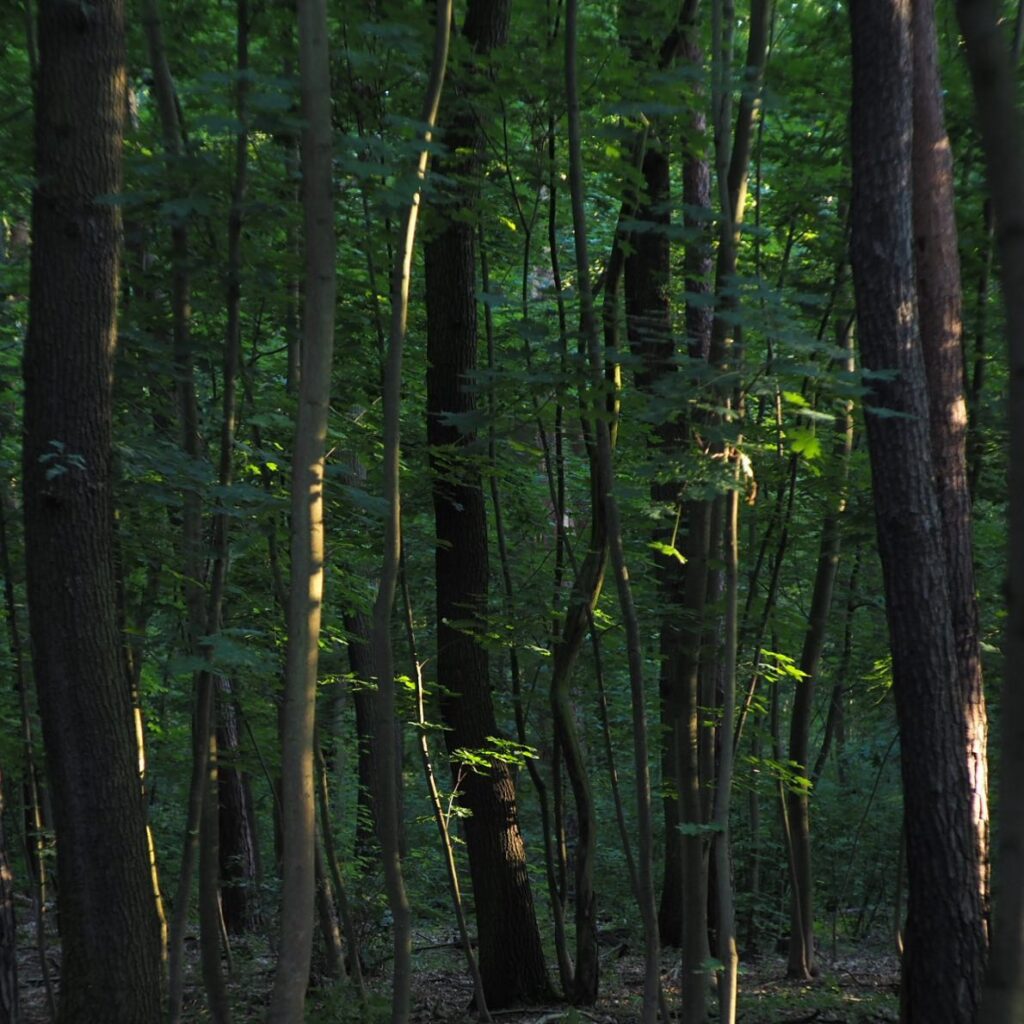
{"x":857,"y":987}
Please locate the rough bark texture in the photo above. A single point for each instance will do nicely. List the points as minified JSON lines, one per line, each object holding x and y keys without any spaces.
{"x":994,"y":78}
{"x":109,"y":926}
{"x":510,"y":954}
{"x":939,"y":311}
{"x":945,"y":939}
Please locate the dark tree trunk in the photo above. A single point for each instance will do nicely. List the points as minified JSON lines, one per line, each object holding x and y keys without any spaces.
{"x":109,"y":925}
{"x":939,"y":304}
{"x":9,"y":1012}
{"x":994,"y":79}
{"x":510,"y":954}
{"x":239,"y":851}
{"x":511,"y":959}
{"x":945,"y":938}
{"x":360,"y":663}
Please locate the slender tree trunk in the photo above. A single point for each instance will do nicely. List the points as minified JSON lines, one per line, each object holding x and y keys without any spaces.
{"x":191,"y":519}
{"x":607,"y":497}
{"x":335,"y":877}
{"x":387,"y":797}
{"x":239,"y":847}
{"x":307,"y":542}
{"x":9,"y":1007}
{"x":699,"y":317}
{"x":360,"y":662}
{"x":109,"y":924}
{"x":801,"y":935}
{"x":994,"y":79}
{"x":945,"y":939}
{"x":441,"y":817}
{"x":32,"y":782}
{"x":728,"y":956}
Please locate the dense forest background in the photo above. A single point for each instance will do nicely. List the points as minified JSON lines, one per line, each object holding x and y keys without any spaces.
{"x":527,"y":487}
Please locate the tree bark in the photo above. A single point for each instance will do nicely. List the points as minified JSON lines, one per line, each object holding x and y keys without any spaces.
{"x":994,"y":80}
{"x":109,"y":924}
{"x":945,"y":939}
{"x":939,"y":304}
{"x":307,"y":540}
{"x":511,"y":958}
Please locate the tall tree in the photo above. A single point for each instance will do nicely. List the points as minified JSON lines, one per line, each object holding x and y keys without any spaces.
{"x":945,"y":936}
{"x":510,"y":953}
{"x":111,"y":940}
{"x":937,"y":258}
{"x":605,"y":492}
{"x":387,"y":798}
{"x":994,"y":79}
{"x":801,"y":933}
{"x":305,"y":602}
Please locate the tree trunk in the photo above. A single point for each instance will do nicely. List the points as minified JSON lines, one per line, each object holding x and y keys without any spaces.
{"x":994,"y":79}
{"x":360,"y":663}
{"x":939,"y":309}
{"x":307,"y":541}
{"x":109,"y":924}
{"x":697,"y":267}
{"x":801,"y":935}
{"x":609,"y":502}
{"x":945,"y":939}
{"x":9,"y":1011}
{"x":510,"y":954}
{"x":387,"y":796}
{"x":239,"y":847}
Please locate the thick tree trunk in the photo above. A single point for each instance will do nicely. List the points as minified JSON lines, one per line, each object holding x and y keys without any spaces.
{"x":939,"y":309}
{"x":109,"y":925}
{"x":994,"y":79}
{"x":510,"y":954}
{"x":945,"y":939}
{"x":307,"y":542}
{"x":511,"y":958}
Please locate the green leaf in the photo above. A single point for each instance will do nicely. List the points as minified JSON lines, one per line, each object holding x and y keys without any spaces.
{"x":668,"y":550}
{"x":804,"y":441}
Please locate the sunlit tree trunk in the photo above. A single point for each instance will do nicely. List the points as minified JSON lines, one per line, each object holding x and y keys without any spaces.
{"x":945,"y":936}
{"x":307,"y":526}
{"x":939,"y":309}
{"x":994,"y":79}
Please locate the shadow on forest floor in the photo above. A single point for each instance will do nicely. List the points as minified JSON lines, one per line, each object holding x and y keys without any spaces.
{"x":855,"y":988}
